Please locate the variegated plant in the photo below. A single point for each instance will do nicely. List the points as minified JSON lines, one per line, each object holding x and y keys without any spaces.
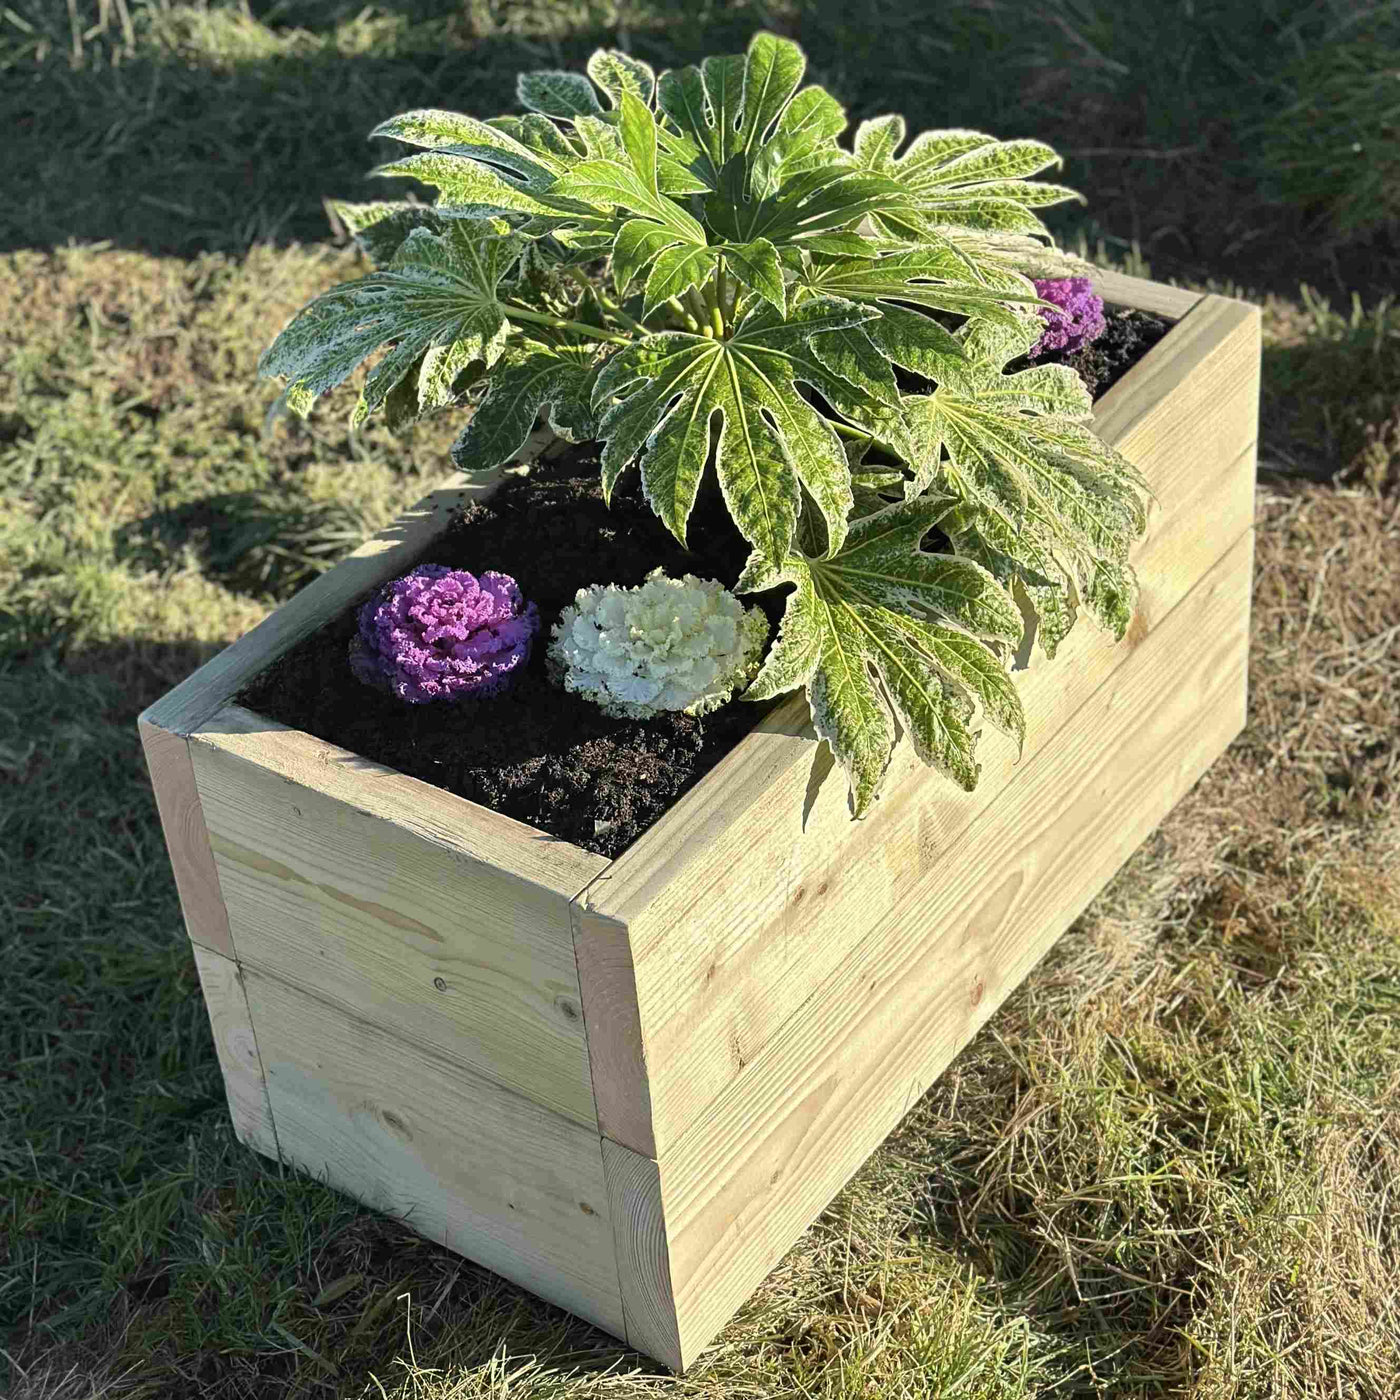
{"x":693,"y":270}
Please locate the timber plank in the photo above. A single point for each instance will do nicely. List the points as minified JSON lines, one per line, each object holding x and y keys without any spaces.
{"x":237,"y":1048}
{"x":1171,"y":303}
{"x":186,"y":837}
{"x":466,"y":1163}
{"x":767,"y":1155}
{"x":643,"y":1263}
{"x":437,"y":920}
{"x":739,"y":902}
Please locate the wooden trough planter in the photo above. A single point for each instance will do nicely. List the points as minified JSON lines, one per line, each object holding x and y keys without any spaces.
{"x":630,"y":1085}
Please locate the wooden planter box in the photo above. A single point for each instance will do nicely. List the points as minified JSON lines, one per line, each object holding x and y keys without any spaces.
{"x":630,"y":1085}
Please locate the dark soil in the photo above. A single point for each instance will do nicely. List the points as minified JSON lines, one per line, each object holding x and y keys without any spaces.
{"x":540,"y":754}
{"x":1126,"y":338}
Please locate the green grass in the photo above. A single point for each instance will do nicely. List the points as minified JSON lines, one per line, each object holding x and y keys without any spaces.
{"x":1168,"y":1165}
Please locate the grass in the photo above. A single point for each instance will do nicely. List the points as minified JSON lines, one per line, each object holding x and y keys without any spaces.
{"x":1167,"y":1167}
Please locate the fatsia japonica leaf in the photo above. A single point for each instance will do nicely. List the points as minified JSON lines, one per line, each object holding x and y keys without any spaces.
{"x":933,"y":277}
{"x":379,"y":228}
{"x":529,"y":377}
{"x":626,"y":179}
{"x":962,"y":178}
{"x":664,"y":400}
{"x":459,"y":135}
{"x":439,"y":291}
{"x":1046,"y":501}
{"x":557,"y":94}
{"x":616,"y":73}
{"x":880,"y":626}
{"x":726,"y":106}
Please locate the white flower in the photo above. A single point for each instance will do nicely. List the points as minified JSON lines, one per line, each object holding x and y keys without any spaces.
{"x":670,"y":644}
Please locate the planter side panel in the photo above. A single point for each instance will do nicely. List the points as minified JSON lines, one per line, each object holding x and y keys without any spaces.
{"x":746,"y":896}
{"x":340,"y":881}
{"x":767,"y":1155}
{"x":480,"y":1170}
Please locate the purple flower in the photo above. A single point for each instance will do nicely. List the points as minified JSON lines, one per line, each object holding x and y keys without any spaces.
{"x":443,"y":634}
{"x":1078,"y":320}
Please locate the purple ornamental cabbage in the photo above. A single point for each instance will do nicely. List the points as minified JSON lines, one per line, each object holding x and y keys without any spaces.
{"x":1079,"y":319}
{"x":444,"y":634}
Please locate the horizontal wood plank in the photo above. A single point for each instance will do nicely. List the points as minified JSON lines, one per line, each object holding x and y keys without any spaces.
{"x":237,"y":1049}
{"x":1118,"y":289}
{"x":741,"y":900}
{"x":767,"y":1155}
{"x":484,"y":1172}
{"x":433,"y":918}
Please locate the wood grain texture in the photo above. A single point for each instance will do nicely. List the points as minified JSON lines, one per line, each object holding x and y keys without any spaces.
{"x":426,"y":915}
{"x":748,"y":892}
{"x":466,"y":1163}
{"x":392,"y":551}
{"x":643,"y":1262}
{"x":608,"y":988}
{"x":771,"y":1151}
{"x":186,"y":838}
{"x":1171,"y":303}
{"x":237,"y":1048}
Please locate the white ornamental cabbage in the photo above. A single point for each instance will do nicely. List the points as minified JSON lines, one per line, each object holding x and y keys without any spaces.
{"x":670,"y":644}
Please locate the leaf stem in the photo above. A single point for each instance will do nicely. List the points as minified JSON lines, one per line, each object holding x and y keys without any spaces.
{"x":540,"y":318}
{"x":697,"y":307}
{"x":862,"y":435}
{"x":606,"y":305}
{"x":689,"y":320}
{"x":847,"y":431}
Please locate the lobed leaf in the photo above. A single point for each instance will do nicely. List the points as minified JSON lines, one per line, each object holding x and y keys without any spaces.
{"x":557,"y":94}
{"x":847,"y":633}
{"x":616,"y":73}
{"x":529,"y":379}
{"x":439,"y":290}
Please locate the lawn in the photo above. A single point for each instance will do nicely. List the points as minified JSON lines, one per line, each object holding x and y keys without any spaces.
{"x":1167,"y":1167}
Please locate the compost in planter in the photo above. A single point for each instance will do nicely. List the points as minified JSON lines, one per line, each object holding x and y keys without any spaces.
{"x":539,"y":753}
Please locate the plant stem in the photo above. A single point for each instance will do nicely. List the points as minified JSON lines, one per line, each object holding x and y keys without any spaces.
{"x":861,"y":435}
{"x":689,"y":320}
{"x":847,"y":431}
{"x":697,"y":307}
{"x":540,"y":318}
{"x":606,"y":305}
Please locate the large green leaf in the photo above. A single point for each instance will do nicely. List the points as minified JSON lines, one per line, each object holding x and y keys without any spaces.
{"x":379,"y":228}
{"x":881,"y":625}
{"x":440,"y":290}
{"x":626,"y":178}
{"x":726,"y":106}
{"x":659,"y":400}
{"x":935,"y":277}
{"x":455,"y":134}
{"x":1046,"y":500}
{"x":528,"y":378}
{"x":961,"y":178}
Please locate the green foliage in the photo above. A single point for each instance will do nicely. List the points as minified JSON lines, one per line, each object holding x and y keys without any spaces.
{"x":773,"y":296}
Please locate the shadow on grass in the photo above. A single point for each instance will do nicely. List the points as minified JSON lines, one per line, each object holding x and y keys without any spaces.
{"x":246,"y":542}
{"x":227,"y":126}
